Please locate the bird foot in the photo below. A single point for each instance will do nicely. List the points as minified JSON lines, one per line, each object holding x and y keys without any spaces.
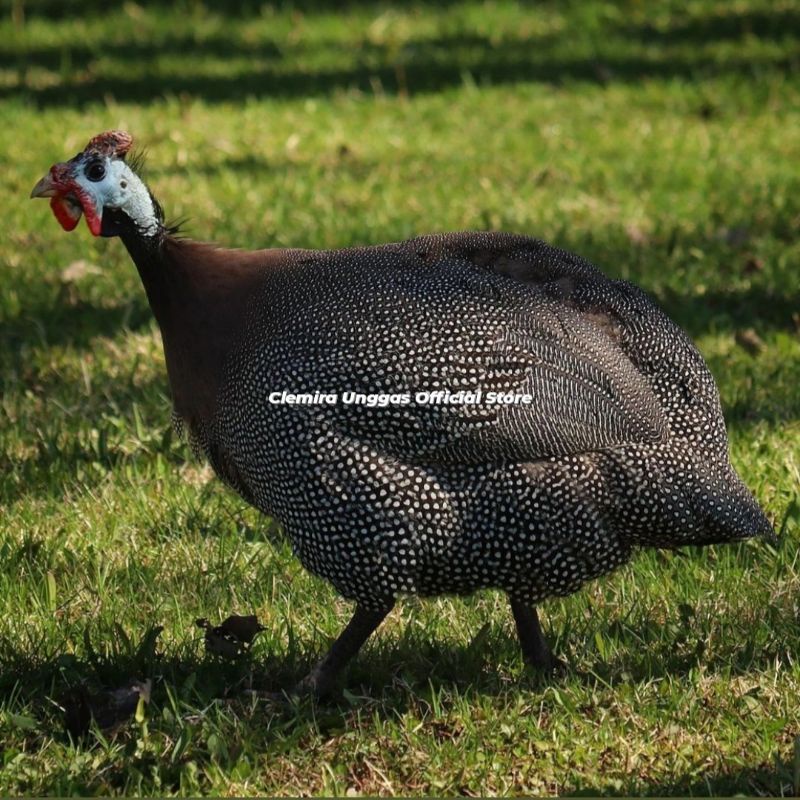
{"x":317,"y":685}
{"x":547,"y":664}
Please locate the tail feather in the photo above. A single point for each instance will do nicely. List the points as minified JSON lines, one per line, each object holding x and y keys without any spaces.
{"x":729,"y":512}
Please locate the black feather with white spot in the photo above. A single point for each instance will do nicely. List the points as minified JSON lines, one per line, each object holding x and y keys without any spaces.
{"x":625,"y":446}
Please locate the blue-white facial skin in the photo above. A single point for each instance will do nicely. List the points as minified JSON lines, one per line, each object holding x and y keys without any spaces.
{"x":106,"y":182}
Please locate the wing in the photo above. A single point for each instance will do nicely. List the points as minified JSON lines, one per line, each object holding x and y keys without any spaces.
{"x":485,"y":332}
{"x":585,"y":395}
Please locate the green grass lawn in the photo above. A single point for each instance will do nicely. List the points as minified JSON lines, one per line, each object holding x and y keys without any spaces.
{"x":661,"y":141}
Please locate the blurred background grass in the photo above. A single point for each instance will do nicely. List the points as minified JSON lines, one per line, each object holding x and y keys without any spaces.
{"x":659,"y":140}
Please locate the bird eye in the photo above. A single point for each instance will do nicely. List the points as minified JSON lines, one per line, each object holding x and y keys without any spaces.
{"x":95,"y":171}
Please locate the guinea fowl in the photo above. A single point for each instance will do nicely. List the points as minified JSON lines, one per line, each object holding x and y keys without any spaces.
{"x":575,"y":422}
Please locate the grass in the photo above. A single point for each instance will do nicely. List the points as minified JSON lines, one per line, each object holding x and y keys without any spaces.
{"x":659,"y":141}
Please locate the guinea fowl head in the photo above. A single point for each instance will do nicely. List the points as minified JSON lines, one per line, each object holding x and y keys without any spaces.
{"x":99,"y":183}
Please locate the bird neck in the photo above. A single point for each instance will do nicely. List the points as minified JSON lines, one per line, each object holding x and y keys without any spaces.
{"x":199,"y":295}
{"x":147,"y":254}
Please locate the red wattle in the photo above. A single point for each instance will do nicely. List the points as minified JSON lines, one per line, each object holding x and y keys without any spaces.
{"x":68,"y":214}
{"x":62,"y":212}
{"x":93,"y":220}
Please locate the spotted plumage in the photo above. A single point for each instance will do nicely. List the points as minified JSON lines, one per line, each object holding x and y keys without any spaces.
{"x":623,"y":445}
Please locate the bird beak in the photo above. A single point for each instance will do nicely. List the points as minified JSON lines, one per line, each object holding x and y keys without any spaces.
{"x":45,"y":188}
{"x":63,"y":199}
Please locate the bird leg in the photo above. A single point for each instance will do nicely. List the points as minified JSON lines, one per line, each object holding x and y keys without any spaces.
{"x":322,"y":677}
{"x":535,"y":650}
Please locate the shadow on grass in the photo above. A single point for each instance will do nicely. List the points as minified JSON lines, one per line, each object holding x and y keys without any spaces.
{"x":417,"y":75}
{"x":394,"y":674}
{"x":69,"y":9}
{"x":204,"y":693}
{"x":734,"y":24}
{"x":78,"y":57}
{"x":398,"y":673}
{"x":418,"y":66}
